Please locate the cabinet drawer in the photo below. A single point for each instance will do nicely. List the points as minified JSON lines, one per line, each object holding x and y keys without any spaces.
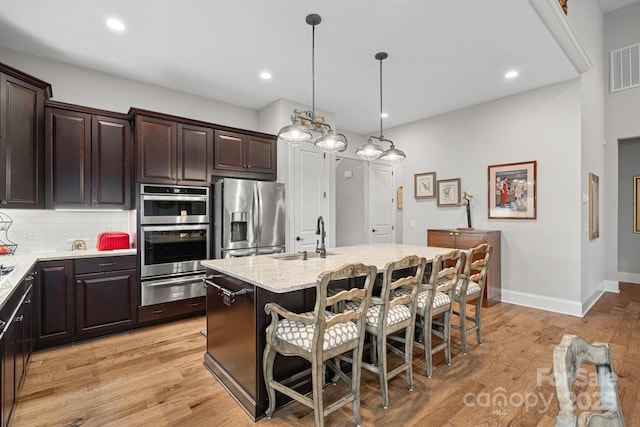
{"x":172,"y":309}
{"x":102,"y":264}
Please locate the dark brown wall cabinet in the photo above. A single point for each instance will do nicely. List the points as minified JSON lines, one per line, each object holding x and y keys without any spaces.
{"x":86,"y":298}
{"x":88,"y":158}
{"x":245,"y":155}
{"x":16,"y":345}
{"x":467,"y":239}
{"x":21,"y":139}
{"x":170,"y":152}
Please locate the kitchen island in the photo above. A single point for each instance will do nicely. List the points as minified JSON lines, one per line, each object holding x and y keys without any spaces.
{"x":237,"y":292}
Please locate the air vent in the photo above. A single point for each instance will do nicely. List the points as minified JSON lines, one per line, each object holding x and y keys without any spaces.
{"x":625,"y":68}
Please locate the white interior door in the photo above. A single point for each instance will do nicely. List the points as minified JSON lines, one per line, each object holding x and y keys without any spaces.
{"x":309,"y":196}
{"x":381,"y":203}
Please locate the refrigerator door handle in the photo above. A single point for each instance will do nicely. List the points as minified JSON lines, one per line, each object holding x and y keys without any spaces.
{"x":257,"y":220}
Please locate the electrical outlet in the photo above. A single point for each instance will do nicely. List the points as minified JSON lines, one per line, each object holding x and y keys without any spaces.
{"x":412,"y":224}
{"x":33,"y":235}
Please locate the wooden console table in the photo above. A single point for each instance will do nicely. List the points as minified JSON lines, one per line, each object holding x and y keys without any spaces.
{"x":466,"y":239}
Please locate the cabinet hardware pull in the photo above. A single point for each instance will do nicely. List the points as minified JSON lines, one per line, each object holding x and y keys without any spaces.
{"x":194,"y":304}
{"x":27,"y":301}
{"x":228,"y":297}
{"x":106,"y":264}
{"x":2,"y":323}
{"x":19,"y":318}
{"x":159,"y":311}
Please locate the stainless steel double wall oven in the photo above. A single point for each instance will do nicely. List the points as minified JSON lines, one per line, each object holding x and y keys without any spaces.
{"x":174,"y":237}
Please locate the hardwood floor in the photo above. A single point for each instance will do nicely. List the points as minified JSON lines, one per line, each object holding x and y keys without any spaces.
{"x":154,"y":376}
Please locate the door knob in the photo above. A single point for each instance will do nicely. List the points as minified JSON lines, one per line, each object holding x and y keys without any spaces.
{"x":298,"y":238}
{"x":373,"y":231}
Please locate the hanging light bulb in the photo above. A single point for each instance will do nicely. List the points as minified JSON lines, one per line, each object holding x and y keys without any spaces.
{"x":305,"y":122}
{"x":371,"y":151}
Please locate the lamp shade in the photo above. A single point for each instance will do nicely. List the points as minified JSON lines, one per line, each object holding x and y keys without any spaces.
{"x":393,"y":155}
{"x":331,"y":142}
{"x":294,"y":134}
{"x":369,"y":151}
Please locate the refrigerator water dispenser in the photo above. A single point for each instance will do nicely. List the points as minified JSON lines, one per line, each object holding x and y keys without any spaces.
{"x":238,"y":226}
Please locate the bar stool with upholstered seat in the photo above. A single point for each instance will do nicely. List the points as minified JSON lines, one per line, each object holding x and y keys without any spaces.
{"x":394,"y":313}
{"x":320,"y":336}
{"x":469,"y":291}
{"x":435,"y":303}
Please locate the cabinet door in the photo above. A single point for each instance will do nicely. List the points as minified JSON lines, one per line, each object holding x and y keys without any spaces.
{"x":54,"y":308}
{"x":68,"y":158}
{"x":229,"y":151}
{"x":195,"y":155}
{"x":156,"y":150}
{"x":21,"y":144}
{"x":111,"y":163}
{"x":8,"y":346}
{"x":106,"y":302}
{"x":24,"y":340}
{"x":441,"y":239}
{"x":261,"y":155}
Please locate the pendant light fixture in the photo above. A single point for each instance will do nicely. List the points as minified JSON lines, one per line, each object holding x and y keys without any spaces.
{"x":304,"y":123}
{"x":371,"y":150}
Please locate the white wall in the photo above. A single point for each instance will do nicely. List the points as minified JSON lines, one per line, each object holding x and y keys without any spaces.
{"x":587,"y":22}
{"x":351,"y":207}
{"x":540,"y":258}
{"x":621,"y":122}
{"x":95,"y":89}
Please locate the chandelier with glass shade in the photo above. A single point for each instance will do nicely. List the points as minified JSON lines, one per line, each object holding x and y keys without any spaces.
{"x":371,"y":150}
{"x":304,"y":124}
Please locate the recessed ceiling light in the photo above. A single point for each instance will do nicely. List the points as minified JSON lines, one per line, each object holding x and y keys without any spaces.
{"x":384,"y":115}
{"x":115,"y":24}
{"x":265,"y":75}
{"x":511,"y":74}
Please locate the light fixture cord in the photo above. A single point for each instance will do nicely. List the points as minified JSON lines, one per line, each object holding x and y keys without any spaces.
{"x":381,"y":135}
{"x":313,"y":73}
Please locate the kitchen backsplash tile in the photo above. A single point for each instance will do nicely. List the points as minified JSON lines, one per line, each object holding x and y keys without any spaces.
{"x":48,"y":230}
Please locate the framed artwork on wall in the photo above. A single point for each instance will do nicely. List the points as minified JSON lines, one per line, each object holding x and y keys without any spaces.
{"x":449,"y":192}
{"x":512,"y":191}
{"x":424,"y":185}
{"x":636,"y":204}
{"x":594,"y":206}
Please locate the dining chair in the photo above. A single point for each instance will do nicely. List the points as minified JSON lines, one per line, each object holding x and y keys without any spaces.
{"x":568,"y":357}
{"x":469,"y":291}
{"x":320,"y":336}
{"x":393,"y":312}
{"x":434,"y":304}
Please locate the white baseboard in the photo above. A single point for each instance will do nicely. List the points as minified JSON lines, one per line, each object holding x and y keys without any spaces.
{"x":628,"y":277}
{"x":610,"y":286}
{"x":557,"y":305}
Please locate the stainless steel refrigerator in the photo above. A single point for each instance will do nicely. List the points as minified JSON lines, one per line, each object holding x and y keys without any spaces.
{"x":248,"y":217}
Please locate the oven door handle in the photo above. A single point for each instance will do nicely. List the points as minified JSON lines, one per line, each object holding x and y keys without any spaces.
{"x":228,"y":297}
{"x":172,"y":282}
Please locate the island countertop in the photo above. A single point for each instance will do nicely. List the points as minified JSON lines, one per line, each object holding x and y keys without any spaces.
{"x":280,"y":273}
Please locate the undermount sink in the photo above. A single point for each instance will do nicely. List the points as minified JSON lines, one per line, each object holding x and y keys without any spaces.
{"x":297,"y":256}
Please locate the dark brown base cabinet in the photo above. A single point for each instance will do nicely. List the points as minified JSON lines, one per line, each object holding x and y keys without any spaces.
{"x":16,"y":345}
{"x":85,"y":298}
{"x":467,"y":239}
{"x":157,"y":313}
{"x":236,"y":340}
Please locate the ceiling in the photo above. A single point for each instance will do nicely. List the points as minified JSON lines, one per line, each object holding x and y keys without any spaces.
{"x":443,"y":55}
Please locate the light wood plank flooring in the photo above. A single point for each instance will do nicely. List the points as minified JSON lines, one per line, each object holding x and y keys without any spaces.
{"x":154,"y":376}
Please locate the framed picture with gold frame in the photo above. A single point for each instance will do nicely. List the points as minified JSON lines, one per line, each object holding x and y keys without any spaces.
{"x":636,"y":204}
{"x":594,"y":206}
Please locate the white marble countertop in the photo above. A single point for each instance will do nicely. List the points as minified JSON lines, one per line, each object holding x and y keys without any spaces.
{"x":278,"y":274}
{"x":24,"y":263}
